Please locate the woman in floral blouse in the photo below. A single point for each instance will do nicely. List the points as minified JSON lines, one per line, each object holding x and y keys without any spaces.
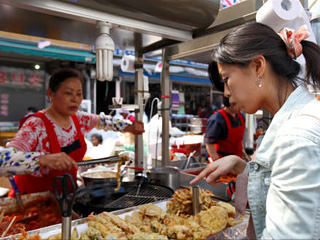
{"x":60,"y":129}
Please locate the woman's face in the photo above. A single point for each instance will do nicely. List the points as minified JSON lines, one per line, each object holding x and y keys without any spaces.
{"x":67,"y":99}
{"x":240,"y":86}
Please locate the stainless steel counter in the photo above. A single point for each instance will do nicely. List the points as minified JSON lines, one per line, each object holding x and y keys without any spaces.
{"x":235,"y":232}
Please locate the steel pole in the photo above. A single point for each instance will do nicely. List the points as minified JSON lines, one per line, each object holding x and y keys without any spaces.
{"x":165,"y":109}
{"x":138,"y":98}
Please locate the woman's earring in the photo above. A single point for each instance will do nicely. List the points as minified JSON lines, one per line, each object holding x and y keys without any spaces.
{"x":260,"y":82}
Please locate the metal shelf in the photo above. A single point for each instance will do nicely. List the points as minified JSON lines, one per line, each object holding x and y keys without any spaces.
{"x":129,"y":107}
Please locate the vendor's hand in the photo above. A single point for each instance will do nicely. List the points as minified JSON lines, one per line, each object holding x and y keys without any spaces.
{"x":136,"y":128}
{"x":57,"y":161}
{"x":227,"y":165}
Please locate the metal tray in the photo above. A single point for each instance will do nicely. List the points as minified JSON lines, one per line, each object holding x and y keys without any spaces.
{"x":9,"y":204}
{"x":80,"y":224}
{"x":235,"y":232}
{"x":220,"y":191}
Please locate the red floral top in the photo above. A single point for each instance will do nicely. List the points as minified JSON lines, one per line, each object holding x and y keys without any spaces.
{"x":32,"y":136}
{"x":22,"y":154}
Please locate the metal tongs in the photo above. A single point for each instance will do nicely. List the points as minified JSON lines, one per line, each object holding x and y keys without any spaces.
{"x":65,"y":201}
{"x":195,"y":200}
{"x":25,"y":217}
{"x":112,"y":159}
{"x":17,"y":193}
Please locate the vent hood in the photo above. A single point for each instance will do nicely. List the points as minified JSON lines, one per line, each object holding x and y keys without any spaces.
{"x":183,"y":14}
{"x":155,"y":20}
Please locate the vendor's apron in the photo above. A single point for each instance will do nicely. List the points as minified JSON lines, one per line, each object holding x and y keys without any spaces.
{"x":31,"y":184}
{"x":233,"y":144}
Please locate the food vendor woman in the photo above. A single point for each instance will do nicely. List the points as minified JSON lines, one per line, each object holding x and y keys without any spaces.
{"x":60,"y":128}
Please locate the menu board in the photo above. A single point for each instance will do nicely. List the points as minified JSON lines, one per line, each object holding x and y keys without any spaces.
{"x":19,"y":89}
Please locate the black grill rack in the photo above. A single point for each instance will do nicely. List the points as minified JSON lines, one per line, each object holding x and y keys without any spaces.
{"x":147,"y":193}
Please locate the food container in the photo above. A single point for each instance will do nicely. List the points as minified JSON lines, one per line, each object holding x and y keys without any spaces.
{"x":107,"y":178}
{"x":9,"y":204}
{"x":167,"y":176}
{"x":220,"y":191}
{"x":41,"y":210}
{"x":196,"y":125}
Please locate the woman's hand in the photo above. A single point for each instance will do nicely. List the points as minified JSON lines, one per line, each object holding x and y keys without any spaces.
{"x":227,"y":165}
{"x":57,"y":161}
{"x":136,"y":128}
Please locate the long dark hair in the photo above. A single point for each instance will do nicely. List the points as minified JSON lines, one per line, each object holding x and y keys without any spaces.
{"x":215,"y":77}
{"x":248,"y":41}
{"x":98,"y":137}
{"x":226,"y":102}
{"x":61,"y":75}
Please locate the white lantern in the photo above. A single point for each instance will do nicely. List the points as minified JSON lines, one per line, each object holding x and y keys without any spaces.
{"x":104,"y":52}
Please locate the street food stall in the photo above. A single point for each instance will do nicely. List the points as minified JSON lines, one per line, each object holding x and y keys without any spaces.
{"x":143,"y":27}
{"x":182,"y":30}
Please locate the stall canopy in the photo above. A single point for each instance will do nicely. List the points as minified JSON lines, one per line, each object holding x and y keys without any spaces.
{"x":48,"y":52}
{"x":185,"y":78}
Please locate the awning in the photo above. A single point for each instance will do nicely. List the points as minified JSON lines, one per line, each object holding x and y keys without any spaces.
{"x":184,"y":77}
{"x":48,"y":52}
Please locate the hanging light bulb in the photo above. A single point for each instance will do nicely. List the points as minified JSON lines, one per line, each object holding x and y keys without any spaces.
{"x":104,"y":52}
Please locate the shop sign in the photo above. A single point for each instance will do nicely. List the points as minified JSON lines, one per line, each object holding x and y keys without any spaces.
{"x":4,"y":104}
{"x":21,"y":78}
{"x":183,"y":62}
{"x":122,"y":52}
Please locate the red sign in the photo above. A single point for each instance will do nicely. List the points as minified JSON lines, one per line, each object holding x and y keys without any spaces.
{"x":19,"y":77}
{"x":4,"y":104}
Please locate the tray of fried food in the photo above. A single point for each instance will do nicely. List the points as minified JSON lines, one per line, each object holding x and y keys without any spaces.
{"x":152,"y":219}
{"x":109,"y":226}
{"x":162,"y":220}
{"x":181,"y":203}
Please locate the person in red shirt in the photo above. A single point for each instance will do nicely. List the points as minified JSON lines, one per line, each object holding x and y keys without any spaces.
{"x":60,"y":129}
{"x":224,"y":133}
